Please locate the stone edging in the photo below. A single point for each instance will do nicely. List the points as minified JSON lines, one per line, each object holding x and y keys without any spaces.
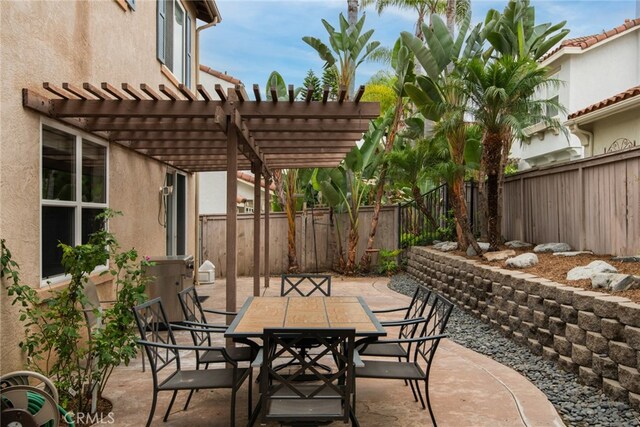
{"x":592,"y":334}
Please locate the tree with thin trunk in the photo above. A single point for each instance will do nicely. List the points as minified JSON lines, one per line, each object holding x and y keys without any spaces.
{"x":440,"y":96}
{"x":402,"y":63}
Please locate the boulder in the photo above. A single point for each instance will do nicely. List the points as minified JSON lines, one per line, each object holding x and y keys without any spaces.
{"x":522,"y":261}
{"x":446,"y":246}
{"x":499,"y":256}
{"x":516,"y":244}
{"x":588,"y":271}
{"x":573,"y":253}
{"x":614,"y":281}
{"x":484,"y":246}
{"x":626,"y":258}
{"x":552,"y":247}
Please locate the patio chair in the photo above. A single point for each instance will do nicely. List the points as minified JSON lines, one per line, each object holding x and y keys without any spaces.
{"x":425,"y":346}
{"x":201,"y":332}
{"x":305,"y":285}
{"x":327,"y":397}
{"x":408,"y":327}
{"x":164,"y":354}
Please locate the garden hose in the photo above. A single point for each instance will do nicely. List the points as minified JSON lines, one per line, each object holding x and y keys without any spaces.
{"x":36,"y":400}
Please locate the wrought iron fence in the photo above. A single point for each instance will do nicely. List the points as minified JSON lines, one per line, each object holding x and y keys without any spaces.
{"x":420,"y":222}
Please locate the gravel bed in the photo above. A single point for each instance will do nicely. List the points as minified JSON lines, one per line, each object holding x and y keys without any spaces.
{"x":577,"y":404}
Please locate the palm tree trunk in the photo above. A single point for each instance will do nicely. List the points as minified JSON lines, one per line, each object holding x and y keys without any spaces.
{"x":492,"y":152}
{"x":291,"y":222}
{"x":279,"y":184}
{"x":465,"y":236}
{"x":451,"y":16}
{"x":352,"y":247}
{"x":482,"y":199}
{"x":417,"y":196}
{"x":352,"y":12}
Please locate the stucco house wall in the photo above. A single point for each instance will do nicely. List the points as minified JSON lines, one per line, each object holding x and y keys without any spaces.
{"x":588,"y":75}
{"x":624,"y":125}
{"x":74,"y":42}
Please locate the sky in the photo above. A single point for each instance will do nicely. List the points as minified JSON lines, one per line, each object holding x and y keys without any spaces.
{"x":257,"y":37}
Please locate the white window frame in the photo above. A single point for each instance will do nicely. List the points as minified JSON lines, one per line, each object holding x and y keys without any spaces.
{"x":174,"y":209}
{"x":78,"y":204}
{"x":183,"y":59}
{"x":555,"y":91}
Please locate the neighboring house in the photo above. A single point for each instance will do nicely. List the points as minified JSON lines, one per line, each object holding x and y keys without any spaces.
{"x":593,"y":68}
{"x":213,"y":185}
{"x":213,"y":193}
{"x":54,"y":177}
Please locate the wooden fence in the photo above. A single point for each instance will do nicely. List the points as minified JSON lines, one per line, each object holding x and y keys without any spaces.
{"x":315,"y":239}
{"x":591,"y":204}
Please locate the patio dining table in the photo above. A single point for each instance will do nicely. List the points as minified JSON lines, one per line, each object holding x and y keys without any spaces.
{"x":259,"y":313}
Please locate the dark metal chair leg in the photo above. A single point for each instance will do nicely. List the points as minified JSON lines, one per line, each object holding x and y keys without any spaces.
{"x":250,"y":398}
{"x":426,"y":391}
{"x":186,"y":405}
{"x":420,"y":394}
{"x":153,"y":407}
{"x":233,"y":407}
{"x":413,"y":390}
{"x":173,"y":399}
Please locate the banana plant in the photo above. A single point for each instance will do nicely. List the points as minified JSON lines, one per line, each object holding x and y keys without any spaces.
{"x":345,"y":188}
{"x":349,"y":49}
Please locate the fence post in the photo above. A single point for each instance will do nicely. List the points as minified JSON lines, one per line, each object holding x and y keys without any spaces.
{"x":581,"y":211}
{"x":521,"y":224}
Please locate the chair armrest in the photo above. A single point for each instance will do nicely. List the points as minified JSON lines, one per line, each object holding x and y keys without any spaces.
{"x":194,"y":328}
{"x":403,"y":322}
{"x":222,"y":350}
{"x":226,"y":313}
{"x":205,"y":325}
{"x":357,"y":361}
{"x":390,"y":310}
{"x":411,"y":340}
{"x":257,"y":362}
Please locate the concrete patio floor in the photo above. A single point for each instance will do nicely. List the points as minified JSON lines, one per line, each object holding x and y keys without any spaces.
{"x":467,"y":389}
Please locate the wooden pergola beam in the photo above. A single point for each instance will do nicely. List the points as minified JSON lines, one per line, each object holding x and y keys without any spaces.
{"x":153,"y":124}
{"x":306,"y":150}
{"x":309,"y":143}
{"x":179,"y":151}
{"x":178,"y":135}
{"x":310,"y":136}
{"x":142,"y":145}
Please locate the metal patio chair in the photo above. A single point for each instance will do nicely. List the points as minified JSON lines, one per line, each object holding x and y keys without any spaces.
{"x":424,"y":348}
{"x":305,"y":285}
{"x":408,"y":327}
{"x":325,"y":397}
{"x":164,"y":354}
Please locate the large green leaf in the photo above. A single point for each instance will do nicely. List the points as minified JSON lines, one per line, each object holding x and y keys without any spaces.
{"x":329,"y":192}
{"x":440,"y":42}
{"x":322,"y":49}
{"x":353,"y":160}
{"x":421,"y":53}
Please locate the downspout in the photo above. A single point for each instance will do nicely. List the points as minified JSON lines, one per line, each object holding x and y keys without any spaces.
{"x":196,"y":256}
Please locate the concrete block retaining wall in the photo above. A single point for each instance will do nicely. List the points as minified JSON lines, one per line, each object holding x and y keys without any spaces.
{"x":592,"y":334}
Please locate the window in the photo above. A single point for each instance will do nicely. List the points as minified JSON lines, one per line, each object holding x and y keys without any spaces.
{"x":174,"y":39}
{"x":175,"y":203}
{"x":553,"y":95}
{"x":74,"y":192}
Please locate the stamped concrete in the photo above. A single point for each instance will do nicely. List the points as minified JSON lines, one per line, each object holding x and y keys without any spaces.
{"x":467,"y":389}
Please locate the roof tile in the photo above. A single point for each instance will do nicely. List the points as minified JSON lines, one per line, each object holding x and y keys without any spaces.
{"x":629,"y":93}
{"x":588,"y":41}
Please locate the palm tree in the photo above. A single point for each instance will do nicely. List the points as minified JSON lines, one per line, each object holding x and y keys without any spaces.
{"x":350,"y":47}
{"x":502,"y":95}
{"x":352,"y":11}
{"x":440,"y":96}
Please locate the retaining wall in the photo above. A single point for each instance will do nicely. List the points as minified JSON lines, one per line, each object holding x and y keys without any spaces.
{"x":592,"y":334}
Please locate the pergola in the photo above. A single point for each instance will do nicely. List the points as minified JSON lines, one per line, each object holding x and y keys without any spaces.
{"x":194,"y":132}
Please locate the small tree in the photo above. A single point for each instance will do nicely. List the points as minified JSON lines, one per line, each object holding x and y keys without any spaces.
{"x":311,"y":81}
{"x":60,"y":341}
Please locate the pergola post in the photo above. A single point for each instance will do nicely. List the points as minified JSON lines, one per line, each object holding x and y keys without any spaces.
{"x":267,"y":207}
{"x":232,"y":216}
{"x":256,"y":228}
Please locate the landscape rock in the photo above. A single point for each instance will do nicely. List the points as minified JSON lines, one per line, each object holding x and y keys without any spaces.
{"x":573,"y":253}
{"x":517,"y":244}
{"x":522,"y":261}
{"x":588,"y":271}
{"x":552,"y":247}
{"x":499,"y":256}
{"x":472,"y":252}
{"x":613,"y":281}
{"x":446,"y":246}
{"x":626,"y":258}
